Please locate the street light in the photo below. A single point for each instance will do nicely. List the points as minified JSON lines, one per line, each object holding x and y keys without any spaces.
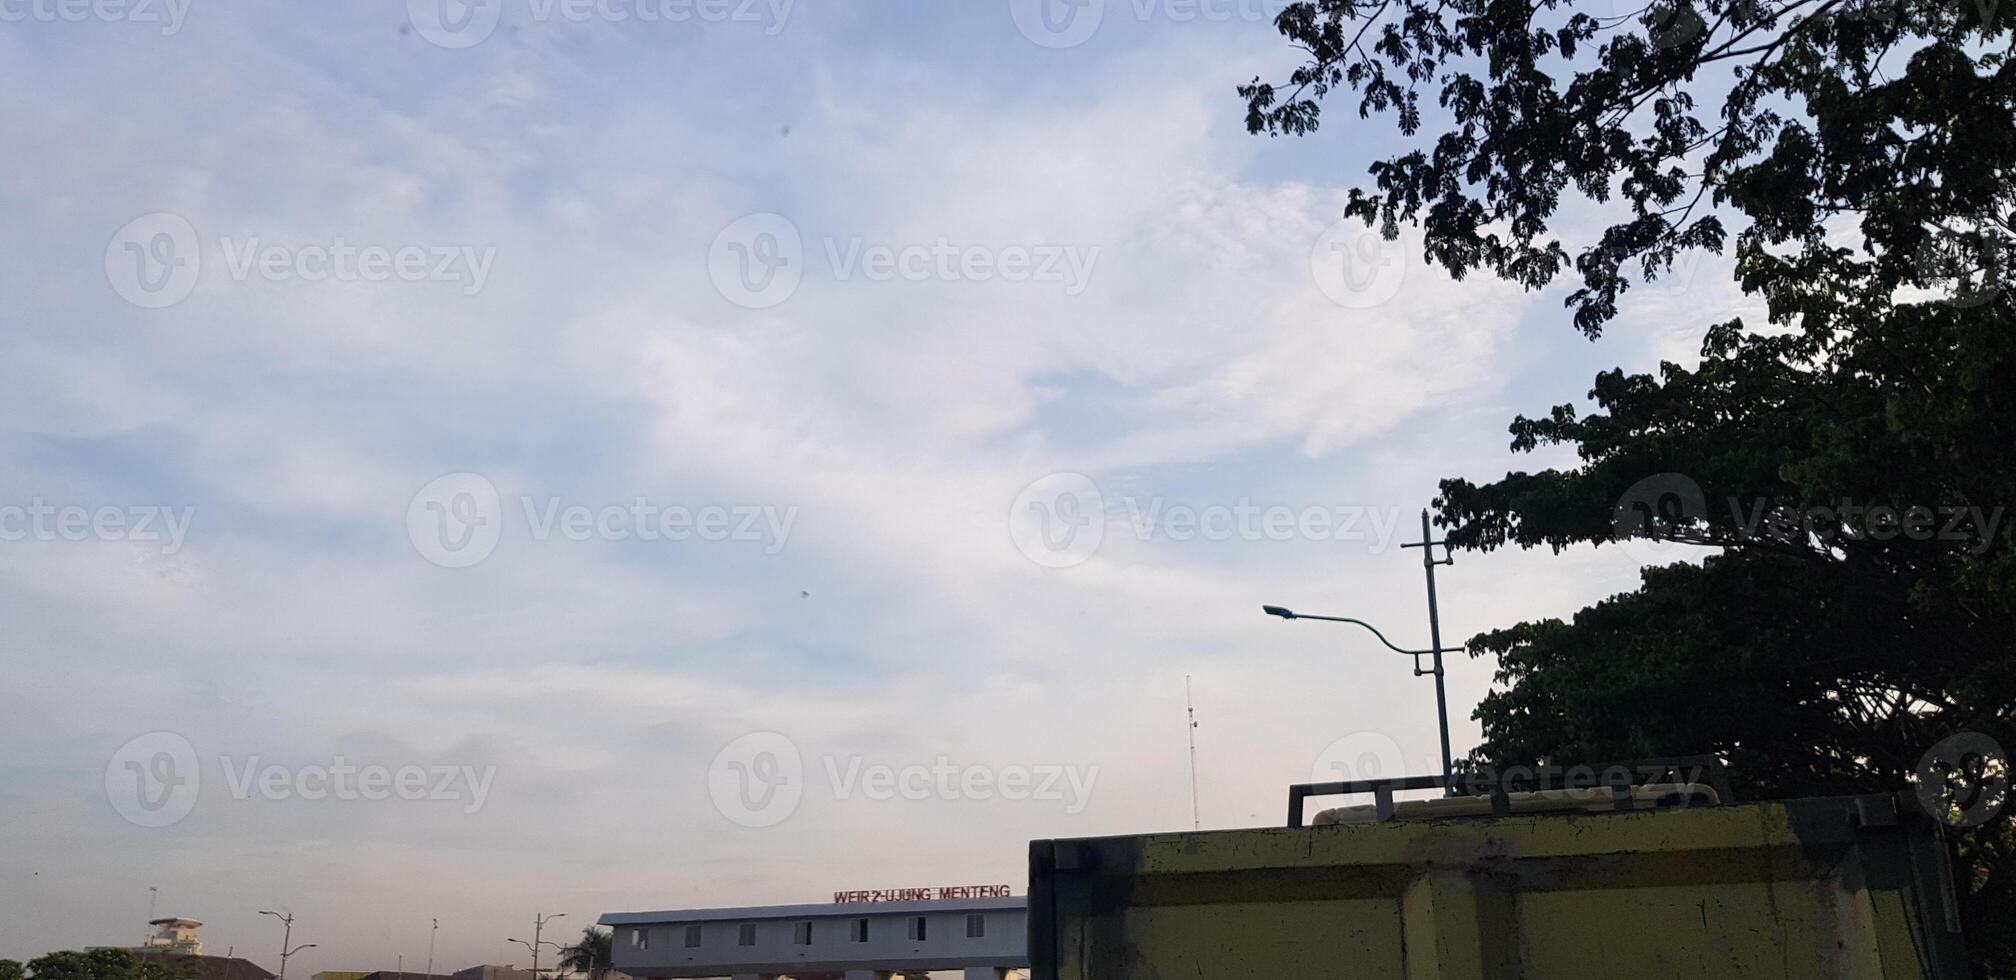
{"x":286,"y":937}
{"x":1435,"y":650}
{"x":538,"y":926}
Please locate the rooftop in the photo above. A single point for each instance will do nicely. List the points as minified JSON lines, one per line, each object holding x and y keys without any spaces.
{"x":821,"y":910}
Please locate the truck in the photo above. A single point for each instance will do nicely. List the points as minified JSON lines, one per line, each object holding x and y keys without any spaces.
{"x":1630,"y":879}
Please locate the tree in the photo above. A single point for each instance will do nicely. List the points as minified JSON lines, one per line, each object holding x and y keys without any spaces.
{"x":97,"y":964}
{"x":11,"y":970}
{"x":593,"y":955}
{"x":1846,"y":624}
{"x":1895,"y":116}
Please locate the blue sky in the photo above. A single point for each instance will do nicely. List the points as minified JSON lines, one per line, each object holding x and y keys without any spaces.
{"x":603,"y":173}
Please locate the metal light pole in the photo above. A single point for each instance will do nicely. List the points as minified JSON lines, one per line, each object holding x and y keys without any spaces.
{"x":1427,"y":545}
{"x":430,"y":948}
{"x":1435,"y":650}
{"x":286,"y":937}
{"x":538,"y":926}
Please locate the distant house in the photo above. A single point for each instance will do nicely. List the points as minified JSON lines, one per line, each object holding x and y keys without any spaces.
{"x":207,"y":967}
{"x":176,"y":945}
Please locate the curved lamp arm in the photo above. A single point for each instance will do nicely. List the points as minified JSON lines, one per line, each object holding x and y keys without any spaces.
{"x":1416,"y":654}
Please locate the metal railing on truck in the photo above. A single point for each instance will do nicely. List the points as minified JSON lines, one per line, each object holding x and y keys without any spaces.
{"x":1621,"y":779}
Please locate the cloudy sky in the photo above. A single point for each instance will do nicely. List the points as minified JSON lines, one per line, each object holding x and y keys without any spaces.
{"x":470,"y":461}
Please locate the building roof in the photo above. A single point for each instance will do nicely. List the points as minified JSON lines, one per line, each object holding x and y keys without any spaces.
{"x":851,"y":910}
{"x":208,"y":967}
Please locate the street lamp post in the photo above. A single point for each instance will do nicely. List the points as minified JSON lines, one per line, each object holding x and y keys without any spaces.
{"x":286,"y":937}
{"x":538,"y":926}
{"x":1427,"y":544}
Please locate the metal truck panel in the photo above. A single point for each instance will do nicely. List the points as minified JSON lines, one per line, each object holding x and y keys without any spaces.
{"x":1829,"y":889}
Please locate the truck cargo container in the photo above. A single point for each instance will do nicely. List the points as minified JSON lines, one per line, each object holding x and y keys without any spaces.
{"x":1852,"y":888}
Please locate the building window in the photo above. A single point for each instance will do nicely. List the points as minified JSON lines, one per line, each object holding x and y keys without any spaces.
{"x":746,"y":936}
{"x":802,"y":934}
{"x":640,"y":938}
{"x":917,"y":928}
{"x":976,"y":926}
{"x":692,"y":937}
{"x":859,"y":930}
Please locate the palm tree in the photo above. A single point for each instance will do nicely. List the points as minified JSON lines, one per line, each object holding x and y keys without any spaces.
{"x":591,"y":955}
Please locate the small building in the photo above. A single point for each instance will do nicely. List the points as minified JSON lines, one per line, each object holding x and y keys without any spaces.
{"x":176,"y":944}
{"x":175,"y":934}
{"x":985,"y":937}
{"x":494,"y":973}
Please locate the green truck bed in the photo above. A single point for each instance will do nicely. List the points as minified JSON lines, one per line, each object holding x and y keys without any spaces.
{"x":1827,"y":889}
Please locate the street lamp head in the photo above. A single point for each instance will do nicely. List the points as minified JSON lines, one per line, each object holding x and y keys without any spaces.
{"x":1278,"y":611}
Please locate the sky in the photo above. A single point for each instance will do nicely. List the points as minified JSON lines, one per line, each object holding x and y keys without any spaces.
{"x":461,"y":462}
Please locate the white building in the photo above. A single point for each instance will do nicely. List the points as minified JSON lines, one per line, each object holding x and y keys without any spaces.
{"x":175,"y":935}
{"x":985,"y":937}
